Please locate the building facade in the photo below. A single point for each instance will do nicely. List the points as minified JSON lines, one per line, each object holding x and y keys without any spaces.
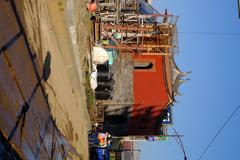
{"x":147,"y":40}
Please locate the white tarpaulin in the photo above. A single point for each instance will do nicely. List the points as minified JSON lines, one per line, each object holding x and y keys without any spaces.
{"x":93,"y":80}
{"x":100,"y":55}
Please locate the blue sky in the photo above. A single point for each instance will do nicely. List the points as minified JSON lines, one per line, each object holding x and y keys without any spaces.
{"x":213,"y":91}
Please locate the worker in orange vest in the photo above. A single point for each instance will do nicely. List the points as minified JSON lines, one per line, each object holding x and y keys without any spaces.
{"x":98,"y":139}
{"x":102,"y":137}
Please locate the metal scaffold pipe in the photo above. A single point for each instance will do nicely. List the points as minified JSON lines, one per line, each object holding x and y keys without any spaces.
{"x":137,"y":47}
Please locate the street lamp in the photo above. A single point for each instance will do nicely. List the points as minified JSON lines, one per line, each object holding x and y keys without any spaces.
{"x":179,"y":141}
{"x":238,"y":8}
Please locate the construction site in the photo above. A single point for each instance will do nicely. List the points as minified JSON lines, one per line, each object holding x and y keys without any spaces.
{"x":68,"y":67}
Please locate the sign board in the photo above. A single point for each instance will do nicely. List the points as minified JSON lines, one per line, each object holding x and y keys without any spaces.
{"x":168,"y":119}
{"x":157,"y":138}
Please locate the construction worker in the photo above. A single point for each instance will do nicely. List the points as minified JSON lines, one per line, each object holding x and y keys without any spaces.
{"x":93,"y":139}
{"x":91,"y":6}
{"x":98,"y":139}
{"x":102,"y":137}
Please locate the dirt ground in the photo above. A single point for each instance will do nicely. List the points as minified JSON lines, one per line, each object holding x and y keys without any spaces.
{"x":62,"y":27}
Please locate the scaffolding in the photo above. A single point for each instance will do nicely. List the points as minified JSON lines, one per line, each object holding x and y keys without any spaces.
{"x":133,"y":26}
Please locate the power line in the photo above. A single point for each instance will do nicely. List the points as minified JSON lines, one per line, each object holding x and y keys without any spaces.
{"x":220,"y":130}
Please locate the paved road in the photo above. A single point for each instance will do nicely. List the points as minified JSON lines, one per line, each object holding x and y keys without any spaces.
{"x":24,"y":110}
